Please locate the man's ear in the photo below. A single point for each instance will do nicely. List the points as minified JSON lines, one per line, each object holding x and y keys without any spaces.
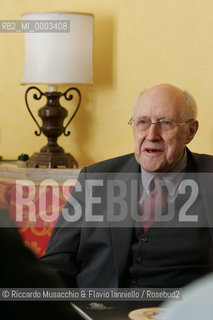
{"x":193,"y":127}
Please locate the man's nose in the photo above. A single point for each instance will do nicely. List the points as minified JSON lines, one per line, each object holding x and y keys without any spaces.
{"x":153,"y":132}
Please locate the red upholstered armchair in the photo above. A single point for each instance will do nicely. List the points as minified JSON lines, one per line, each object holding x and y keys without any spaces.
{"x":36,"y":206}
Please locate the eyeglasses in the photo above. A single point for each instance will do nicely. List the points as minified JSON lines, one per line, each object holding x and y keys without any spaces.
{"x":163,"y":124}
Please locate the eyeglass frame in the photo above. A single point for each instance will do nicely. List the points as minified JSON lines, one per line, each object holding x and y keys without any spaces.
{"x":131,"y":121}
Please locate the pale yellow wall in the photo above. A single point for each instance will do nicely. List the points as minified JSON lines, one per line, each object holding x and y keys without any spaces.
{"x":138,"y":43}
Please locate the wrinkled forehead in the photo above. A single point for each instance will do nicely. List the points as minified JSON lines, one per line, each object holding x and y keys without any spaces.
{"x":160,"y":103}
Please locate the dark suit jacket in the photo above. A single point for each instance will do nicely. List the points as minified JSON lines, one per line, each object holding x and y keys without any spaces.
{"x":97,"y":257}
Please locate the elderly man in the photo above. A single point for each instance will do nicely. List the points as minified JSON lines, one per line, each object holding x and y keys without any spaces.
{"x":133,"y":251}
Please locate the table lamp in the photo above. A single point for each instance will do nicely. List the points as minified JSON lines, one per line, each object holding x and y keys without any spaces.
{"x":58,"y":50}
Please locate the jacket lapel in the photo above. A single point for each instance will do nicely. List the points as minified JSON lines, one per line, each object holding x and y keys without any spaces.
{"x":203,"y":174}
{"x":122,"y":232}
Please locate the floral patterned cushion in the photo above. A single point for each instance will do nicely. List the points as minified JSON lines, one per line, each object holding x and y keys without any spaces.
{"x":35,"y":210}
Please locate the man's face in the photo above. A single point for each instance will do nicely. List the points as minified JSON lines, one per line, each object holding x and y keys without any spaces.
{"x":157,"y":150}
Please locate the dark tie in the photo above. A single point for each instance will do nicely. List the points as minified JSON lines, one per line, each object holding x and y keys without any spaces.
{"x":154,"y":203}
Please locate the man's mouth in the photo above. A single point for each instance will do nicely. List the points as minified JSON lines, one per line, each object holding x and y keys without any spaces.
{"x":153,"y":150}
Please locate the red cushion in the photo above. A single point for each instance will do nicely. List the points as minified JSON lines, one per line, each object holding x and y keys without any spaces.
{"x":45,"y":204}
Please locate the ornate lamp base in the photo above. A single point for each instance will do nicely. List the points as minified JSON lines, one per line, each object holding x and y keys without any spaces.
{"x":52,"y":160}
{"x":52,"y":115}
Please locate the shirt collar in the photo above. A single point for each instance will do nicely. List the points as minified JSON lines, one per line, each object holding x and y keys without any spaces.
{"x":175,"y":175}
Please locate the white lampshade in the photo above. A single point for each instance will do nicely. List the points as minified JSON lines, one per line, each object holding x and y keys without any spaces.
{"x":59,"y":57}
